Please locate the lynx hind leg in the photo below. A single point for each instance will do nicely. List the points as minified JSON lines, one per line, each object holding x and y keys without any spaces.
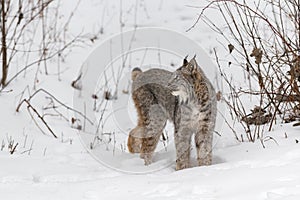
{"x":203,"y":140}
{"x":151,"y":117}
{"x":153,"y":131}
{"x":148,"y":147}
{"x":183,"y":147}
{"x":134,"y":142}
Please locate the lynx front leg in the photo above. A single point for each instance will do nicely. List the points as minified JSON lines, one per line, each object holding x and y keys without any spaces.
{"x":203,"y":140}
{"x":183,"y":148}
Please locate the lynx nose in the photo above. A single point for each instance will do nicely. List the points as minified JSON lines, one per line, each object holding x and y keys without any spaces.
{"x":171,"y":85}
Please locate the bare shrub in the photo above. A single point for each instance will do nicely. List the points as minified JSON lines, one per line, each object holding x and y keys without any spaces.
{"x":263,"y":40}
{"x":32,"y":33}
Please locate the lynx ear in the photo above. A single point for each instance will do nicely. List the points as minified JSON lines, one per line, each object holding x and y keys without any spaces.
{"x":193,"y":63}
{"x":185,"y":62}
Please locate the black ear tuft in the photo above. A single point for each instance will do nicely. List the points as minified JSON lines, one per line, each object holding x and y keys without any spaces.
{"x":185,"y":62}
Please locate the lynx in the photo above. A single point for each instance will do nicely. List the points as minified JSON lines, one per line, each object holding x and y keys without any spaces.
{"x":185,"y":97}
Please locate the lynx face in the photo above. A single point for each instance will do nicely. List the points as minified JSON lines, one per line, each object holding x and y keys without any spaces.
{"x":182,"y":82}
{"x":179,"y":87}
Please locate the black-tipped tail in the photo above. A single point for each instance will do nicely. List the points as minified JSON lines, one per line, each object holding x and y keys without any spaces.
{"x":135,"y":72}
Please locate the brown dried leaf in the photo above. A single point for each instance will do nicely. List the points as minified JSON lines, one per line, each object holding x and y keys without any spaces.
{"x":219,"y":95}
{"x":230,"y":47}
{"x":94,"y":96}
{"x":257,"y":54}
{"x":107,"y":95}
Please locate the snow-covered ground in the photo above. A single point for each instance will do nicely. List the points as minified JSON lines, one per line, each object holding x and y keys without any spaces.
{"x":46,"y":168}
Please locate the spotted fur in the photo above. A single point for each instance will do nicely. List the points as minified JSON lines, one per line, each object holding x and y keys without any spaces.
{"x":185,"y":97}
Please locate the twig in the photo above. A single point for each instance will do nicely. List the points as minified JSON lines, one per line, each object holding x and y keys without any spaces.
{"x":58,"y":101}
{"x":40,"y":117}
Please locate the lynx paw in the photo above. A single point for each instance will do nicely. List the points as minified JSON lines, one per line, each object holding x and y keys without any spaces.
{"x":147,"y":158}
{"x":180,"y":166}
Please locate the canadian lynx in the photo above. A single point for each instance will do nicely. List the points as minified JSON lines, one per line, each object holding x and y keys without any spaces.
{"x":187,"y":98}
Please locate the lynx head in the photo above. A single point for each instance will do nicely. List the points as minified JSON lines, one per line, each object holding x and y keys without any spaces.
{"x":182,"y":82}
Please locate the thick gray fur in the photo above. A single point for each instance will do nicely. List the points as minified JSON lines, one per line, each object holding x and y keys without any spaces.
{"x":185,"y":97}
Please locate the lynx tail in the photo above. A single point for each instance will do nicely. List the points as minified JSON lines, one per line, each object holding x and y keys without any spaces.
{"x":135,"y":72}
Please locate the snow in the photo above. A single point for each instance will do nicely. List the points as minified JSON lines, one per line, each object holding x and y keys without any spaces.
{"x":47,"y":168}
{"x":241,"y":171}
